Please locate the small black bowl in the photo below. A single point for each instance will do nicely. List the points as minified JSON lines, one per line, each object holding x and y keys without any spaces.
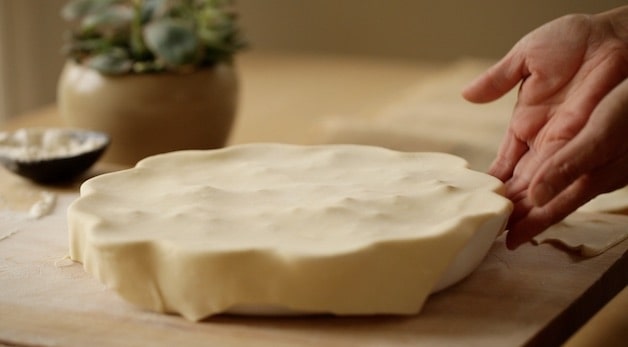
{"x":62,"y":168}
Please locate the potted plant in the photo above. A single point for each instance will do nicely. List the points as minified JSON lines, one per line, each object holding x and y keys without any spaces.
{"x":156,"y":75}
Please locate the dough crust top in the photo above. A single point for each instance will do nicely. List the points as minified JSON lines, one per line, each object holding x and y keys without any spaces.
{"x":279,"y":211}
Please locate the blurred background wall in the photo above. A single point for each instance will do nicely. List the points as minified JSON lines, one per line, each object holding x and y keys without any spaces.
{"x":31,"y":33}
{"x":30,"y":59}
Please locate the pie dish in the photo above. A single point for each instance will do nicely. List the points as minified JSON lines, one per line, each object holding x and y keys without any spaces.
{"x":286,"y":229}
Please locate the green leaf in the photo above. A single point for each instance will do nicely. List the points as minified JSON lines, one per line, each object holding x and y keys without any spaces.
{"x":88,"y":45}
{"x":74,"y":10}
{"x":112,"y":62}
{"x":116,"y":17}
{"x":209,"y":37}
{"x":156,"y":35}
{"x":152,"y":8}
{"x":77,"y":9}
{"x":172,"y":40}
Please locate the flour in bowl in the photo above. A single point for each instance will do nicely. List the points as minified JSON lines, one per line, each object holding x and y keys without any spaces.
{"x":34,"y":144}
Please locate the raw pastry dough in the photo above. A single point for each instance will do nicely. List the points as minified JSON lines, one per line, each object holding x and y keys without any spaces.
{"x":591,"y":230}
{"x":589,"y":233}
{"x":338,"y":229}
{"x":613,"y":202}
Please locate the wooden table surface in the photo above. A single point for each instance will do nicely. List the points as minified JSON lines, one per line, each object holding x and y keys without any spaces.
{"x":537,"y":295}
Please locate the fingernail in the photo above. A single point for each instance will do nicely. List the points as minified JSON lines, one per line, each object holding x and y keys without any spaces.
{"x":542,"y":193}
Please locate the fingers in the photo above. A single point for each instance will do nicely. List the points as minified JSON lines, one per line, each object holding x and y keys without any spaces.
{"x":497,"y":80}
{"x":592,"y":163}
{"x":579,"y":156}
{"x":600,"y":144}
{"x":578,"y":172}
{"x":560,"y":171}
{"x":510,"y":151}
{"x":529,"y":220}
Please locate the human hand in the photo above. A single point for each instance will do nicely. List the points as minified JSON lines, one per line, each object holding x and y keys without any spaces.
{"x":567,"y":139}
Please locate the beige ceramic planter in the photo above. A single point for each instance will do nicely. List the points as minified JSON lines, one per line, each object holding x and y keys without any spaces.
{"x":151,"y":113}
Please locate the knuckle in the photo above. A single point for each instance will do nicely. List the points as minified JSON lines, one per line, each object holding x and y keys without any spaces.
{"x":566,"y":172}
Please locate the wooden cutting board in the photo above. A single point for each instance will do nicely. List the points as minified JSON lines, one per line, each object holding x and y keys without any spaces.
{"x":537,"y":295}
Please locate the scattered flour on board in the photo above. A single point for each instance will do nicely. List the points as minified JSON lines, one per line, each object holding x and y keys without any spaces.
{"x":44,"y":206}
{"x":10,"y":220}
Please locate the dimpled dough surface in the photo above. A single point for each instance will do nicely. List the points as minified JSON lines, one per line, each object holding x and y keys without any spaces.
{"x":336,"y":229}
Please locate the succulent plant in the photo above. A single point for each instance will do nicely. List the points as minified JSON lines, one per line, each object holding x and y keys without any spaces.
{"x":141,"y":36}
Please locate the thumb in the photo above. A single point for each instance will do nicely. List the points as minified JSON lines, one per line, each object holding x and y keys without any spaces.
{"x":498,"y":79}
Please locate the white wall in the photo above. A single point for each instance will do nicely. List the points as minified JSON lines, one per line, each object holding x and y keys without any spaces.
{"x":30,"y":54}
{"x":4,"y":108}
{"x":31,"y":33}
{"x":423,"y":29}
